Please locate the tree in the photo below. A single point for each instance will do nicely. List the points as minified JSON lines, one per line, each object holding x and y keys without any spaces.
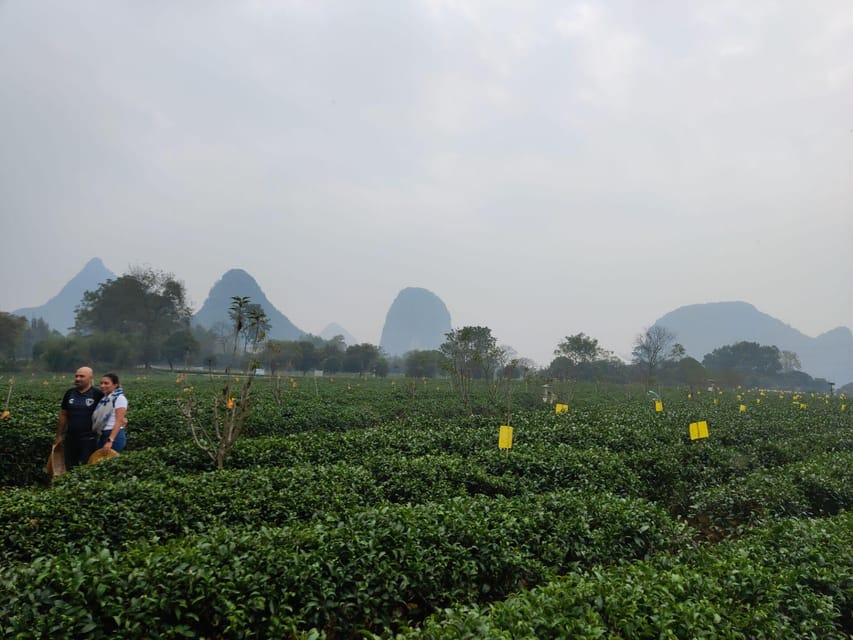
{"x":651,"y":348}
{"x":365,"y":358}
{"x":60,"y":353}
{"x":180,"y":346}
{"x":147,"y":304}
{"x":217,"y":435}
{"x":746,"y":358}
{"x":470,"y":352}
{"x":790,"y":361}
{"x":37,"y":330}
{"x":255,"y":325}
{"x":579,"y":348}
{"x":12,"y":329}
{"x":422,"y":363}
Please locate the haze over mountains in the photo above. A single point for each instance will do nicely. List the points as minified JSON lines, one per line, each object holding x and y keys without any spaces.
{"x":418,"y":319}
{"x":701,"y":328}
{"x":58,"y":312}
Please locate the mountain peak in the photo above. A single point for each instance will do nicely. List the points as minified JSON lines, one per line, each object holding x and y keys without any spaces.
{"x":238,"y":282}
{"x":417,"y":319}
{"x":58,"y":312}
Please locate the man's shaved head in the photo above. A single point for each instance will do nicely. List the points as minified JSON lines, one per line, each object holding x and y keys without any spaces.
{"x":83,"y":378}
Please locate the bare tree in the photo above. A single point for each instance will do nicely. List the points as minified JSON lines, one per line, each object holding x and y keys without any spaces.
{"x":652,"y":348}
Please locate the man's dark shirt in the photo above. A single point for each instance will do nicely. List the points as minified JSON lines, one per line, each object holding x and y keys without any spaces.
{"x":80,"y":407}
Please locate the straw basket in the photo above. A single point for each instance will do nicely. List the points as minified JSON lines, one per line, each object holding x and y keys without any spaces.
{"x":102,"y":454}
{"x":56,"y":461}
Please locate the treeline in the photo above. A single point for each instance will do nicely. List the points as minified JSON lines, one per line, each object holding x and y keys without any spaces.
{"x":659,"y":359}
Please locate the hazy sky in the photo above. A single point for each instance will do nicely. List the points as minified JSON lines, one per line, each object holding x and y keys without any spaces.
{"x":544,"y":167}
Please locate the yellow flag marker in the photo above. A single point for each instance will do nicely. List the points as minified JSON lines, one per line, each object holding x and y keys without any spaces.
{"x":698,"y":430}
{"x":743,"y":408}
{"x":560,"y":408}
{"x":505,"y":437}
{"x":658,"y":406}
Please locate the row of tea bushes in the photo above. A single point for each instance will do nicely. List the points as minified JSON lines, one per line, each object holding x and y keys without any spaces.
{"x":793,"y":579}
{"x":820,"y":486}
{"x":95,"y":510}
{"x":112,"y":501}
{"x":370,"y":570}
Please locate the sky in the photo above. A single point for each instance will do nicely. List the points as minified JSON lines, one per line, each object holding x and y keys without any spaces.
{"x":545,"y":168}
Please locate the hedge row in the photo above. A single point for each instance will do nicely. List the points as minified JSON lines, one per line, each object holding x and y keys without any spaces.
{"x":110,"y":502}
{"x":817,"y":487}
{"x":790,"y":580}
{"x":371,"y":571}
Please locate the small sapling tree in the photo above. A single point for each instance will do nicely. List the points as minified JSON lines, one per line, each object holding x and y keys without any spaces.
{"x":216,"y":432}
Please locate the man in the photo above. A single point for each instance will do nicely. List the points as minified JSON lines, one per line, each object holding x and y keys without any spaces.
{"x":75,"y":419}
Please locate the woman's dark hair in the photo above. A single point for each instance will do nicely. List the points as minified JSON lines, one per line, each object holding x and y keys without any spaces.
{"x":112,"y":377}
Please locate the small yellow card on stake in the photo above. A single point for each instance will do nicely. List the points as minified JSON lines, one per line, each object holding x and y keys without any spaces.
{"x":561,"y":408}
{"x":698,"y":430}
{"x":658,"y":406}
{"x":505,"y":437}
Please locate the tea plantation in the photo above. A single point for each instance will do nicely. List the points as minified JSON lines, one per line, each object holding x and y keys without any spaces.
{"x":377,"y":509}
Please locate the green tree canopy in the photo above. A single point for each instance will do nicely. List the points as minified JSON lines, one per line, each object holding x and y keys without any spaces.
{"x":745,"y":357}
{"x":422,"y":363}
{"x":143,"y":304}
{"x":12,"y":329}
{"x":579,"y":348}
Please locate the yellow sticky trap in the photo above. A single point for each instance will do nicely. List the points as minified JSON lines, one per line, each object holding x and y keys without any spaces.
{"x":561,"y":408}
{"x":698,"y":430}
{"x":658,"y":406}
{"x":505,"y":437}
{"x":743,"y":408}
{"x":802,"y":406}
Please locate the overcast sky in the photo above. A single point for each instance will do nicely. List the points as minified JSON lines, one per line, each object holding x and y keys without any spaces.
{"x":545,"y":168}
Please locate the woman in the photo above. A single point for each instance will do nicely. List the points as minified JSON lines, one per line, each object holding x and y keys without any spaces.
{"x":110,"y":415}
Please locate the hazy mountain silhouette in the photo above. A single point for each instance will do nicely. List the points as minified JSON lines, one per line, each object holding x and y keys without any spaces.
{"x":334,"y":329}
{"x":58,"y":312}
{"x":417,"y":319}
{"x":237,"y":282}
{"x":701,"y":328}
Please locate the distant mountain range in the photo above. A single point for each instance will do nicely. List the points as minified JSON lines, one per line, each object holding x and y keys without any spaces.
{"x":701,"y":328}
{"x":237,"y":282}
{"x":58,"y":312}
{"x":418,"y":319}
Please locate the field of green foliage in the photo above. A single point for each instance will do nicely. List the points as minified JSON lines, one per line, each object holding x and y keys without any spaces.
{"x":375,"y":508}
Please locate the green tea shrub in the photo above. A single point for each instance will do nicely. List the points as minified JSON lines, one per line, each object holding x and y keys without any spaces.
{"x":791,"y":580}
{"x":370,"y":570}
